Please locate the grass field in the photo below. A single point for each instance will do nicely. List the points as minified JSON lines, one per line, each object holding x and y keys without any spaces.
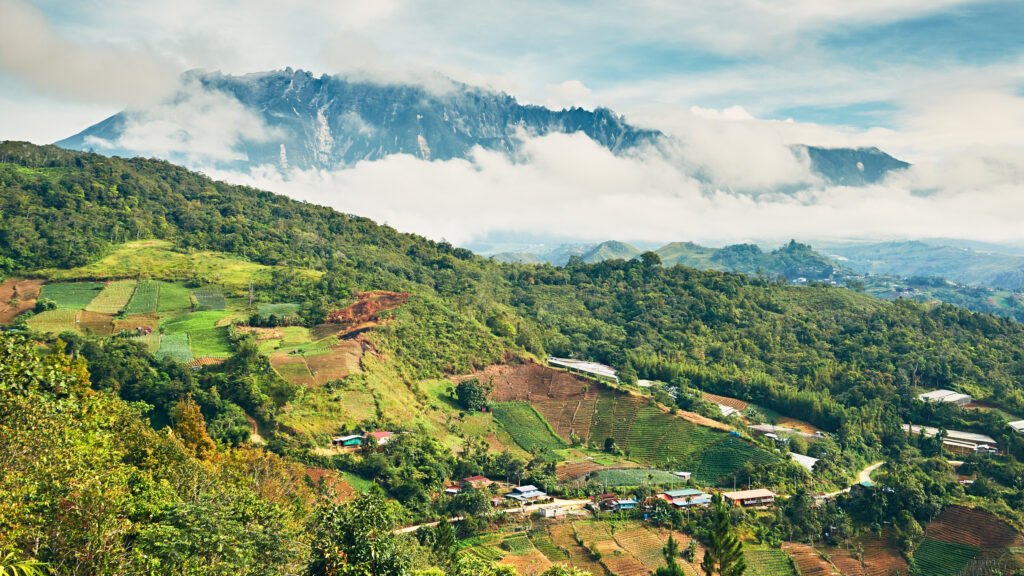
{"x":71,"y":295}
{"x":113,"y":298}
{"x":526,"y":427}
{"x":150,"y":341}
{"x":207,"y":339}
{"x":192,"y":322}
{"x":282,"y":309}
{"x":55,"y":321}
{"x":174,"y":297}
{"x":766,"y":561}
{"x":156,"y":259}
{"x":209,"y":298}
{"x":212,"y":343}
{"x":145,"y":299}
{"x":175,"y":347}
{"x":935,"y":558}
{"x":636,"y":477}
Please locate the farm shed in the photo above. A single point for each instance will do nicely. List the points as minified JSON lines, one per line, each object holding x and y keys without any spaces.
{"x":551,"y":512}
{"x":594,"y":369}
{"x":749,"y":498}
{"x":1017,"y":426}
{"x":963,"y":443}
{"x":947,"y":396}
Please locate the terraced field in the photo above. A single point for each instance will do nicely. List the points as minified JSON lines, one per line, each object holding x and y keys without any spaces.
{"x":971,"y":527}
{"x":563,"y":536}
{"x":525,"y":426}
{"x":937,"y":558}
{"x":724,"y":458}
{"x":881,"y":557}
{"x":766,"y":561}
{"x":543,"y":542}
{"x":807,"y":560}
{"x":113,"y":298}
{"x":71,"y":295}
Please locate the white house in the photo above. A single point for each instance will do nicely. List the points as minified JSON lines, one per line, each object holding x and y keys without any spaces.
{"x":945,"y":396}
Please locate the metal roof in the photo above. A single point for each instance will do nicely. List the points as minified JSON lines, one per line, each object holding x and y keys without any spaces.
{"x":585,"y":366}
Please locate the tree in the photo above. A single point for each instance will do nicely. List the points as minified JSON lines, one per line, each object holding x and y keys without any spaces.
{"x":628,"y":374}
{"x":357,"y":538}
{"x":670,"y":552}
{"x":444,"y":544}
{"x":724,"y":553}
{"x":559,"y":570}
{"x":472,"y":395}
{"x":190,"y":426}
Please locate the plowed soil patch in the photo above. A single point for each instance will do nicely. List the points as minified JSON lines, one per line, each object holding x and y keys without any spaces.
{"x":881,"y":557}
{"x":96,"y":323}
{"x":533,"y":562}
{"x":27,"y":292}
{"x":733,"y":403}
{"x":367,"y":308}
{"x":137,"y":323}
{"x":808,"y":561}
{"x":340,"y":360}
{"x":332,"y":481}
{"x":971,"y":527}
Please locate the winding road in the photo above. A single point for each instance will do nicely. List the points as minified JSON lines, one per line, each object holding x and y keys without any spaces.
{"x":862,"y":476}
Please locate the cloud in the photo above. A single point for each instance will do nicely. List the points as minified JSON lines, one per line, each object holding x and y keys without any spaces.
{"x":570,"y":186}
{"x":32,"y":51}
{"x":197,"y":127}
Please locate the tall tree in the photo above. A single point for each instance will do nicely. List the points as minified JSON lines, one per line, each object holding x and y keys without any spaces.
{"x":671,"y":553}
{"x":724,"y":553}
{"x":190,"y":426}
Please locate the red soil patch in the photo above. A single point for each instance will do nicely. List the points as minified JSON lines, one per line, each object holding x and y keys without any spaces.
{"x":96,"y":323}
{"x":533,"y":562}
{"x":137,"y":323}
{"x":330,"y":480}
{"x":734,"y":403}
{"x":27,"y":292}
{"x":972,"y":527}
{"x":807,"y":560}
{"x":367,"y":307}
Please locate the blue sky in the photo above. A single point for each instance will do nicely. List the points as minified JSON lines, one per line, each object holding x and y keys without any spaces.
{"x":939,"y":83}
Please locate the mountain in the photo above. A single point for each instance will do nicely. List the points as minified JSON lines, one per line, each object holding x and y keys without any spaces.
{"x":965,"y":265}
{"x":330,"y":122}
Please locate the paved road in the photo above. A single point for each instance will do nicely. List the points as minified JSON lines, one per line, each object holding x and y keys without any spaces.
{"x":558,"y":502}
{"x":862,"y":476}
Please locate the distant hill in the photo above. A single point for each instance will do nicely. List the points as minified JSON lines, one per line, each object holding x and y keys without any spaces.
{"x":329,"y":122}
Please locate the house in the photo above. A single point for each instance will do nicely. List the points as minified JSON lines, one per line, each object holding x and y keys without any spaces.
{"x":805,"y":461}
{"x":551,"y":512}
{"x":684,"y":475}
{"x":380,"y":437}
{"x":1017,"y":426}
{"x":686,"y":497}
{"x":350,"y":441}
{"x":526,"y":494}
{"x":477,"y":482}
{"x":452,"y":489}
{"x":945,"y":396}
{"x":751,"y":498}
{"x":625,"y":504}
{"x":863,"y":487}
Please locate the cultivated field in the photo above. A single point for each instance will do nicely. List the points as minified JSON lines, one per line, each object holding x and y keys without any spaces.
{"x":113,"y":298}
{"x":209,"y":298}
{"x":936,"y":558}
{"x":525,"y":426}
{"x":615,"y":477}
{"x":71,"y":295}
{"x":734,"y":403}
{"x":145,"y":299}
{"x":881,"y":557}
{"x":55,"y":321}
{"x":174,"y":298}
{"x":808,"y":561}
{"x":175,"y":347}
{"x":208,"y":338}
{"x":96,"y":323}
{"x":766,"y":561}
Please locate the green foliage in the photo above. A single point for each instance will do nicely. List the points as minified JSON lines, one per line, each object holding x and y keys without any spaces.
{"x":723,"y":553}
{"x":10,"y":565}
{"x":472,"y":394}
{"x":526,"y":426}
{"x":357,"y":539}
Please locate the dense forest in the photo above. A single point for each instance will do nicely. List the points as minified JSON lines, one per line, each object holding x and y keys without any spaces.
{"x":846,"y":362}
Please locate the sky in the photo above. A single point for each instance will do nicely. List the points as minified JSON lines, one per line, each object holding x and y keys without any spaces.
{"x":938,"y":83}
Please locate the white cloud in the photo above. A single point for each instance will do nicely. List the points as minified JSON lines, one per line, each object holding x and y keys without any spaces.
{"x":32,"y":51}
{"x":198,"y":127}
{"x":568,"y":94}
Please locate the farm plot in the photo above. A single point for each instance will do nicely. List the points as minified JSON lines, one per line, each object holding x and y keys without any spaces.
{"x":96,"y":323}
{"x":807,"y":560}
{"x":150,"y":341}
{"x":113,"y":298}
{"x":882,"y":557}
{"x":209,"y":298}
{"x":526,"y":426}
{"x":145,"y":299}
{"x":331,"y":481}
{"x":542,"y":541}
{"x":765,"y":561}
{"x":281,"y":309}
{"x":564,"y":537}
{"x":971,"y":527}
{"x":175,"y":347}
{"x":527,"y":563}
{"x":724,"y":458}
{"x":136,"y":323}
{"x":55,"y":321}
{"x":292,"y":369}
{"x":936,"y":558}
{"x":636,"y":477}
{"x":17,"y":296}
{"x":335,"y":363}
{"x":71,"y":295}
{"x":734,"y":403}
{"x":174,"y":298}
{"x":644,"y":544}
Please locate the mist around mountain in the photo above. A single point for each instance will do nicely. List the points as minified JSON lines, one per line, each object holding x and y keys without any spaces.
{"x":331,"y":122}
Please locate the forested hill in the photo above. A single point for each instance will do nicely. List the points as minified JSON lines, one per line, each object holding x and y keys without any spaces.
{"x":835,"y":349}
